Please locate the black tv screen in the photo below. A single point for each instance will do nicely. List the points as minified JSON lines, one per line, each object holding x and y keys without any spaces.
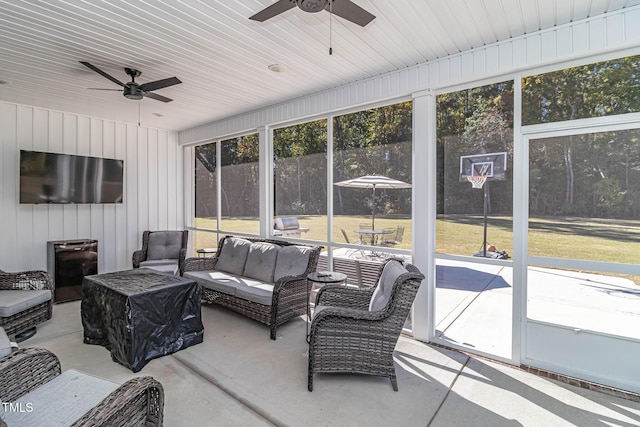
{"x":64,"y":178}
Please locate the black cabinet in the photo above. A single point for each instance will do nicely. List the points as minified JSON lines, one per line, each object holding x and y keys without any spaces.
{"x":68,"y":261}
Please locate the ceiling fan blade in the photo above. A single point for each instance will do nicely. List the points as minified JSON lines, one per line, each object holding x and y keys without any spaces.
{"x":99,"y":88}
{"x":102,"y":73}
{"x":159,"y":84}
{"x":350,"y":11}
{"x":157,"y":97}
{"x":275,"y":9}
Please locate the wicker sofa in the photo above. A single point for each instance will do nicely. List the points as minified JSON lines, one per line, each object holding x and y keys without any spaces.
{"x":263,"y":279}
{"x":36,"y":392}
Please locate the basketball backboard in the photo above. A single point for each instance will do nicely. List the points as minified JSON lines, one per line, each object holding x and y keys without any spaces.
{"x":493,"y":165}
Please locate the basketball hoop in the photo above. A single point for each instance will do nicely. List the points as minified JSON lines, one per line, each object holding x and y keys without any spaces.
{"x":477,"y":181}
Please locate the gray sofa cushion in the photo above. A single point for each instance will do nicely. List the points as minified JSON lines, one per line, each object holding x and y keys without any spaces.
{"x":233,"y":255}
{"x":13,"y":301}
{"x":261,"y":261}
{"x":255,"y":291}
{"x":292,"y":261}
{"x":392,"y":270}
{"x":215,"y":280}
{"x":61,"y":401}
{"x":230,"y":284}
{"x":164,"y":245}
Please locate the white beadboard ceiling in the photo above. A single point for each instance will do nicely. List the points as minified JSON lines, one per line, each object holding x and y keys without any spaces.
{"x":222,"y":57}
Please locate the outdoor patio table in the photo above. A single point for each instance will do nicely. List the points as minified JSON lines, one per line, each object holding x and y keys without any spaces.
{"x":373,"y":233}
{"x":141,"y":314}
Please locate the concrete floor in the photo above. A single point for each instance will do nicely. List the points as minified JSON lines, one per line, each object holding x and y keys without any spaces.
{"x":239,"y":377}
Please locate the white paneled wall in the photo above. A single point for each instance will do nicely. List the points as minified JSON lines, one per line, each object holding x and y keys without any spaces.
{"x":580,"y":40}
{"x":153,"y":187}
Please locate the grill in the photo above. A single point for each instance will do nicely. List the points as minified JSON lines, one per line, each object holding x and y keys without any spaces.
{"x":288,"y":227}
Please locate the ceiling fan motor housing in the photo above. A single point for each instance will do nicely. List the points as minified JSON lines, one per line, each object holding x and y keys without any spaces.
{"x":131,"y":91}
{"x":312,"y":5}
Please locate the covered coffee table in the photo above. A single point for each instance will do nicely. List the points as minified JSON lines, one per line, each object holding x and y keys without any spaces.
{"x":141,"y":314}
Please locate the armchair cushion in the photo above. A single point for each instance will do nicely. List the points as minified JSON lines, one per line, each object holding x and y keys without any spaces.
{"x":61,"y":401}
{"x":164,"y":245}
{"x":5,"y":347}
{"x":15,"y":301}
{"x":292,"y":261}
{"x":261,"y":261}
{"x":233,"y":255}
{"x":381,"y":295}
{"x":158,"y":262}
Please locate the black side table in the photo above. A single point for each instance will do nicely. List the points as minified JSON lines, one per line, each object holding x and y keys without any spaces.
{"x":324,"y":278}
{"x":206,"y":251}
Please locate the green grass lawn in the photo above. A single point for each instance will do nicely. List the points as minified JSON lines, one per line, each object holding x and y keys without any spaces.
{"x":563,"y":237}
{"x":316,"y":224}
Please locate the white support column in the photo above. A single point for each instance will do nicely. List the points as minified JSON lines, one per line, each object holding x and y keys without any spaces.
{"x":189,"y":194}
{"x":265,"y":165}
{"x":219,"y":184}
{"x":424,"y":210}
{"x":330,"y":190}
{"x":520,"y":229}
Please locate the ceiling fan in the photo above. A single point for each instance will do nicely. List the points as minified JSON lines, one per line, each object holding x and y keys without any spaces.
{"x":133,"y":90}
{"x":345,"y":9}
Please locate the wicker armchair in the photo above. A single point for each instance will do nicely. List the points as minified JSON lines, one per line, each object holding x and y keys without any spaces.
{"x":346,"y":336}
{"x":40,"y":311}
{"x":137,"y":402}
{"x":162,"y":250}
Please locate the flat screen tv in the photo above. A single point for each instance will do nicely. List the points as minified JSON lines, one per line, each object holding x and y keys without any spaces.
{"x":64,"y":178}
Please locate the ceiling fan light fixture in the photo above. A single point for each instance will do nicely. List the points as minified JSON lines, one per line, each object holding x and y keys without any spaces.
{"x":312,"y":6}
{"x":132,"y":92}
{"x":277,"y":68}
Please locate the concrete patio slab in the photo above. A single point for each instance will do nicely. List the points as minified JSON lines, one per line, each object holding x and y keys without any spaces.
{"x":489,"y":394}
{"x":239,"y":377}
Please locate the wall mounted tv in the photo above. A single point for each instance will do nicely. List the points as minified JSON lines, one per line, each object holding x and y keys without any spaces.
{"x":64,"y":178}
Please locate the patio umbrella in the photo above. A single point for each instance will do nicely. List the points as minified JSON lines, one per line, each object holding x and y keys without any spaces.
{"x":373,"y":182}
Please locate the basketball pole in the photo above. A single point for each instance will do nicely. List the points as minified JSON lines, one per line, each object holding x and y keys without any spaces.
{"x":486,"y":200}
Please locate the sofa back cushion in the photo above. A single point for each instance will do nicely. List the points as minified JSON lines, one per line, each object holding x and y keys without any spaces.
{"x":381,"y":295}
{"x":164,"y":245}
{"x":233,"y":255}
{"x":292,"y":261}
{"x":261,"y":261}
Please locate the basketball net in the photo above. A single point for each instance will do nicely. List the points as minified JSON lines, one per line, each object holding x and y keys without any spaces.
{"x":477,"y":181}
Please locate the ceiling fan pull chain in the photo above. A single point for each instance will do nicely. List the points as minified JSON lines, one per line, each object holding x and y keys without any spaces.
{"x":330,"y":27}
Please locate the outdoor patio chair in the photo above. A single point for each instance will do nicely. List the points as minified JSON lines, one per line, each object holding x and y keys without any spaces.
{"x":394,"y":239}
{"x":162,"y":251}
{"x":356,"y":330}
{"x":31,"y":378}
{"x":344,"y":234}
{"x":26,"y":300}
